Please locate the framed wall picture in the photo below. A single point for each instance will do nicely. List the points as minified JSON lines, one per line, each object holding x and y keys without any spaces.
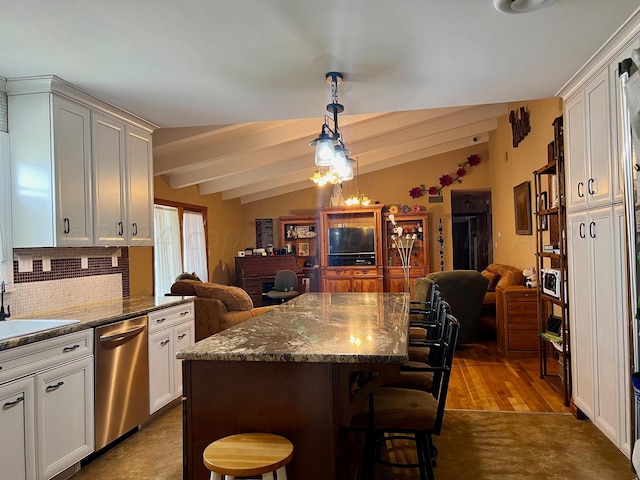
{"x":303,"y":249}
{"x":522,"y":207}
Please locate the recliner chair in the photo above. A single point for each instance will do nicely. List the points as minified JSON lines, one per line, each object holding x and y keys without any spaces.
{"x":464,"y":291}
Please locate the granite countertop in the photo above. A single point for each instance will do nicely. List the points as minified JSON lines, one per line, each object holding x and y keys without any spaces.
{"x":317,"y":327}
{"x":93,"y":315}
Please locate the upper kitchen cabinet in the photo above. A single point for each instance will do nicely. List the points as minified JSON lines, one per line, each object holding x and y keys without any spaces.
{"x":6,"y":239}
{"x":81,"y":168}
{"x":590,"y":169}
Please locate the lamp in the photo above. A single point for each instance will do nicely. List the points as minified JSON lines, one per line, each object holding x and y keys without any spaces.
{"x":330,"y":149}
{"x":357,"y":198}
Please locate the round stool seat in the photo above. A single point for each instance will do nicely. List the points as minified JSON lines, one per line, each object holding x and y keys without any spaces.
{"x":248,"y":454}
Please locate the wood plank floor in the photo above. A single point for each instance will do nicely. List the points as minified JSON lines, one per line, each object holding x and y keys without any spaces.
{"x":483,"y":379}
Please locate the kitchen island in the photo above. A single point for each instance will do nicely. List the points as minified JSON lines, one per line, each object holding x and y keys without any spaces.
{"x":290,"y":371}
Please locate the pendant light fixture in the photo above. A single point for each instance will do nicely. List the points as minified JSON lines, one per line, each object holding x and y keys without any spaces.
{"x":331,"y":153}
{"x":357,"y":198}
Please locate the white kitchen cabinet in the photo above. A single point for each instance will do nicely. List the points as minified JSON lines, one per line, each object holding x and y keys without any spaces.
{"x":81,"y":168}
{"x":6,"y":238}
{"x":161,"y":377}
{"x":599,"y":348}
{"x":64,"y":416}
{"x":123,"y":175}
{"x":139,"y":187}
{"x":17,"y":429}
{"x":107,"y":144}
{"x":170,"y":330}
{"x":588,"y":145}
{"x":50,"y":171}
{"x":46,"y":419}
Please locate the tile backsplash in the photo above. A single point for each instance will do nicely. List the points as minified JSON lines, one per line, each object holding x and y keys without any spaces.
{"x":65,"y":283}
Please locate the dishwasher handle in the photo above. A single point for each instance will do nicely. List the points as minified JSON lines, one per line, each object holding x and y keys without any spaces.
{"x":120,"y":336}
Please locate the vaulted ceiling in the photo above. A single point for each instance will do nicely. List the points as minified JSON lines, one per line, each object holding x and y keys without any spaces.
{"x":237,"y":88}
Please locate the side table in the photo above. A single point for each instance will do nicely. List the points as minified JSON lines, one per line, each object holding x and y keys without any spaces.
{"x":517,"y":320}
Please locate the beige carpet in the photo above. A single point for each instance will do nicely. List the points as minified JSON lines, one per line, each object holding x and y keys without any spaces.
{"x":477,"y":445}
{"x":510,"y":445}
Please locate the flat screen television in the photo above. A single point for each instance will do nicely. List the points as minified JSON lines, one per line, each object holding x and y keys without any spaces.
{"x":351,"y":240}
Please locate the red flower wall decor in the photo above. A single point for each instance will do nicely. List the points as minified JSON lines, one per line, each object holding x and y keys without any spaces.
{"x":446,"y":180}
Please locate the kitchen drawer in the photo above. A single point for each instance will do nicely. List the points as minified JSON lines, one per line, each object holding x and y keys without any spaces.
{"x":170,"y":316}
{"x":25,"y":360}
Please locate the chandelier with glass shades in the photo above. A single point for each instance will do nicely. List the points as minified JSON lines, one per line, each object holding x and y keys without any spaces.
{"x":332,"y":157}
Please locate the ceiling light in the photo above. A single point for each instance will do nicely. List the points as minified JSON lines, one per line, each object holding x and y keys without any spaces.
{"x":330,"y":149}
{"x":357,"y":198}
{"x":520,"y":6}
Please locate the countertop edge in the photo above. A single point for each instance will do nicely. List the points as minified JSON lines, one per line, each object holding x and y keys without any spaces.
{"x":19,"y":341}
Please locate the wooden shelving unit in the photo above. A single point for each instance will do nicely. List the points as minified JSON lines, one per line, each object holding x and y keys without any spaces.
{"x":301,"y":233}
{"x":351,"y":273}
{"x":393,"y":273}
{"x":551,"y":232}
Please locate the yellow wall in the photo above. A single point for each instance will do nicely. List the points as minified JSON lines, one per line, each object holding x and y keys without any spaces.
{"x":387,"y":186}
{"x":510,"y":167}
{"x":224,"y":231}
{"x":232,"y":225}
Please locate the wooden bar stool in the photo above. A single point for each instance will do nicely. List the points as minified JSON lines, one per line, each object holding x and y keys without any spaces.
{"x":248,"y":454}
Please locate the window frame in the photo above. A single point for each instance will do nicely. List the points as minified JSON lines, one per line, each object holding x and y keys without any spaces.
{"x":190,"y":207}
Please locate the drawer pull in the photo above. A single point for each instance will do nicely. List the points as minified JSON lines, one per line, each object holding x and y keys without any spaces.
{"x":160,"y":320}
{"x":181,"y":336}
{"x":182,"y":314}
{"x":51,"y":388}
{"x":70,"y":349}
{"x":8,"y":405}
{"x":164,"y":342}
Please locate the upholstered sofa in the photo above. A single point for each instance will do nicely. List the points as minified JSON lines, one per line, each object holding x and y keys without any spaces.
{"x":500,"y":275}
{"x":217,"y":307}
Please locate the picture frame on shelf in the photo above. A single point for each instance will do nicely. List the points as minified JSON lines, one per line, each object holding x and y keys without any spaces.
{"x":543,"y":203}
{"x":303,"y":249}
{"x":522,"y":208}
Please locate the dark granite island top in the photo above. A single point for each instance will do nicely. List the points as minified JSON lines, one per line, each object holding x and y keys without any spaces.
{"x":316,"y":327}
{"x":290,"y":371}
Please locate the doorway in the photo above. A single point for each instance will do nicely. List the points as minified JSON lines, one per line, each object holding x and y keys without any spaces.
{"x":471,"y":229}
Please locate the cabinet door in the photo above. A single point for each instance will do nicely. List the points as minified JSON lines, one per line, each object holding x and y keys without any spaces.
{"x":360,"y":284}
{"x":6,"y":237}
{"x":580,"y":297}
{"x":606,"y":321}
{"x":336,"y":285}
{"x":599,"y":181}
{"x":139,"y":187}
{"x":17,"y":430}
{"x":109,"y":172}
{"x":184,"y":336}
{"x":574,"y":140}
{"x":64,"y":416}
{"x":72,"y":159}
{"x":161,"y":367}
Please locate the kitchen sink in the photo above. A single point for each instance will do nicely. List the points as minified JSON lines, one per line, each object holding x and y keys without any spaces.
{"x":17,"y":328}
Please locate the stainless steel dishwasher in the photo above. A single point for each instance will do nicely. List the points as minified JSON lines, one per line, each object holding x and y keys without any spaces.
{"x":122,"y":379}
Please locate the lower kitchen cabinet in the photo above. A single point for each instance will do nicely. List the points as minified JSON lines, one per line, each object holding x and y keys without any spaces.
{"x":17,"y":432}
{"x":46,"y":413}
{"x":170,"y":330}
{"x":64,"y":416}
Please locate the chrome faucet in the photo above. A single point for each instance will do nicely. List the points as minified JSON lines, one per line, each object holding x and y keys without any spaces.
{"x":3,"y":315}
